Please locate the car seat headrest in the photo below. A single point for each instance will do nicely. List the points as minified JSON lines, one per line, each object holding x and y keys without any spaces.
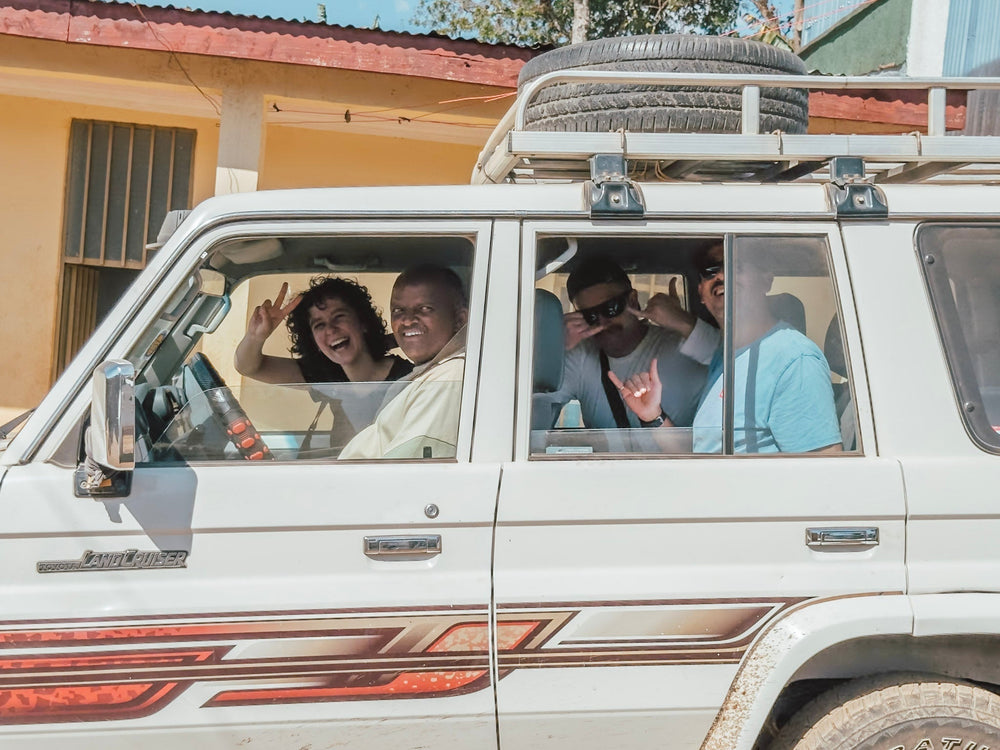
{"x":789,"y":308}
{"x":550,"y":343}
{"x":833,"y":348}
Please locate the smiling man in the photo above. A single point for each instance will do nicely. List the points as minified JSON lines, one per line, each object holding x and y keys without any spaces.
{"x":782,"y":400}
{"x":428,"y":311}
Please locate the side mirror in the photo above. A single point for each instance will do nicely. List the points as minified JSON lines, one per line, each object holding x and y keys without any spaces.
{"x":111,"y":441}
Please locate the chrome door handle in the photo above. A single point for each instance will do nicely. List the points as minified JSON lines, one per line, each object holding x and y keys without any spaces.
{"x":842,"y":536}
{"x":398,"y":547}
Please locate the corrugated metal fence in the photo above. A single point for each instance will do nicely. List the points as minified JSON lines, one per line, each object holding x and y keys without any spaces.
{"x":820,"y":15}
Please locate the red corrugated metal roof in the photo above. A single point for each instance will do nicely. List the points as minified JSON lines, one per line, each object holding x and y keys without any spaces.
{"x":266,"y":39}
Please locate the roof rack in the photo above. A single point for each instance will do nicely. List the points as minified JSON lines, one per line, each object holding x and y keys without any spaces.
{"x":516,"y":154}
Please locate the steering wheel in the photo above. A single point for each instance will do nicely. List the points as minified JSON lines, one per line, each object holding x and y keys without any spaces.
{"x":228,"y":411}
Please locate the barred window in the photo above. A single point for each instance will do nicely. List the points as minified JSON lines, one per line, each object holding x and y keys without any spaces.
{"x":122,"y":180}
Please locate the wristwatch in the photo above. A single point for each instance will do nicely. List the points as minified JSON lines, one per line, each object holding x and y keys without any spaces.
{"x":654,"y":422}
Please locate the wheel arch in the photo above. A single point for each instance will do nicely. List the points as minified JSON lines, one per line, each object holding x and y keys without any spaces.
{"x":824,"y":643}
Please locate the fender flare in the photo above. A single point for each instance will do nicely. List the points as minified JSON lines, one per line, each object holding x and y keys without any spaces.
{"x":788,"y":644}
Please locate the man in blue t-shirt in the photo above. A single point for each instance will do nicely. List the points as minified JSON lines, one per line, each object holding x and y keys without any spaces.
{"x":783,"y":399}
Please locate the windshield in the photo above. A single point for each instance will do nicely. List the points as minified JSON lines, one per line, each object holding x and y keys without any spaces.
{"x":10,"y":429}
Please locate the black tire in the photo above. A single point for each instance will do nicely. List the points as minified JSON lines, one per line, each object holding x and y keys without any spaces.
{"x":659,"y":109}
{"x":893,"y":711}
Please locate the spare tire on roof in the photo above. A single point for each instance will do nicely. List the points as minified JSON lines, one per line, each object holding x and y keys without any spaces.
{"x":660,"y":109}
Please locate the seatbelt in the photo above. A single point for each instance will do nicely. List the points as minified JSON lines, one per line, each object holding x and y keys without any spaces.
{"x":750,"y":400}
{"x":614,"y":398}
{"x":307,"y":440}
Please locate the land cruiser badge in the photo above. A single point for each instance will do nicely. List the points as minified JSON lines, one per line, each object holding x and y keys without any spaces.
{"x":130,"y":559}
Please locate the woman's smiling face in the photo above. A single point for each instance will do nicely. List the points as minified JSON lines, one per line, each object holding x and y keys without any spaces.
{"x":337,"y":331}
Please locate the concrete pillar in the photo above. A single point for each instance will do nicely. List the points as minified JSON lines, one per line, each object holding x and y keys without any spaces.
{"x":241,"y":149}
{"x":928,"y":29}
{"x":241,"y":140}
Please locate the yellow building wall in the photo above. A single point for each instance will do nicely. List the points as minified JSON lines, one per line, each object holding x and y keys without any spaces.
{"x":302,"y":157}
{"x":73,"y":80}
{"x":34,"y":142}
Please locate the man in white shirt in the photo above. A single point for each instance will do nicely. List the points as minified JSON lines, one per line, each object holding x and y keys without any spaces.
{"x":428,"y":311}
{"x":609,"y":331}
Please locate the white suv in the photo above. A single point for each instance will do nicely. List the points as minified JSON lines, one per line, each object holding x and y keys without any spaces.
{"x":534,"y":582}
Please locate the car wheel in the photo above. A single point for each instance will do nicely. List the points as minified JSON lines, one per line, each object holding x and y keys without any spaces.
{"x":639,"y":108}
{"x":896,"y":712}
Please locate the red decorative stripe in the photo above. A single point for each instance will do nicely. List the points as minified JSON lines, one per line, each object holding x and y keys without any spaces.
{"x":85,"y":703}
{"x":412,"y":684}
{"x":475,"y":637}
{"x":139,"y":659}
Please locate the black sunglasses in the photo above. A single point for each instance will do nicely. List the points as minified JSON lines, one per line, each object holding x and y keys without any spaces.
{"x":710,"y":272}
{"x":610,"y":308}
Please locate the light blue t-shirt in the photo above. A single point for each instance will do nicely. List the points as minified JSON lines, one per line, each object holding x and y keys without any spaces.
{"x":789,"y":409}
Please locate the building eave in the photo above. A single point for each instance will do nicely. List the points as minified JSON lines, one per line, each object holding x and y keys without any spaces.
{"x":263,"y":39}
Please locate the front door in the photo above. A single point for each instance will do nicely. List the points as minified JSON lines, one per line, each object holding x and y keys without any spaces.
{"x":293,"y":602}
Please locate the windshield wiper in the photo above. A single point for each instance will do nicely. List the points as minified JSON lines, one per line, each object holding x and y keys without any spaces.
{"x":8,"y":428}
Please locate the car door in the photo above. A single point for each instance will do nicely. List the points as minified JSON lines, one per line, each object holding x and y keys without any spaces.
{"x":228,"y":602}
{"x":942,"y":411}
{"x":646,"y":570}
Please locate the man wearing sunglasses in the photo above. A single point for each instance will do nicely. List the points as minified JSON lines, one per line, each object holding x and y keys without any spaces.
{"x":783,"y":400}
{"x":609,"y":331}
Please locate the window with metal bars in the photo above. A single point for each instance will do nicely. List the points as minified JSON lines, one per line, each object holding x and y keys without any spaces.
{"x":122,"y":180}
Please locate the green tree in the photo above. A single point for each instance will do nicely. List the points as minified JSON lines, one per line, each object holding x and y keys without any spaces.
{"x":550,"y":22}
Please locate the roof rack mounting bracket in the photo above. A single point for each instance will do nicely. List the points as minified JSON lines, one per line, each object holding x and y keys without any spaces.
{"x":612,"y":194}
{"x":852,"y":195}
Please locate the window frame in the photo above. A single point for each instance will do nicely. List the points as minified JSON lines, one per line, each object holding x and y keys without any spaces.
{"x":730,"y":232}
{"x":948,"y":322}
{"x":142,"y":306}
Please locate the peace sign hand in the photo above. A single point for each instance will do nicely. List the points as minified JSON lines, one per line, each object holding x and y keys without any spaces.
{"x":641,"y":392}
{"x":267,"y":316}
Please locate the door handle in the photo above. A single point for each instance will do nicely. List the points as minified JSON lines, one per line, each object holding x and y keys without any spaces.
{"x":842,"y":536}
{"x":400,"y":547}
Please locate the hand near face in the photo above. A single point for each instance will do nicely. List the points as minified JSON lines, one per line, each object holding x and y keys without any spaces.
{"x":641,"y":392}
{"x":577,"y":329}
{"x":267,"y":316}
{"x":666,"y":311}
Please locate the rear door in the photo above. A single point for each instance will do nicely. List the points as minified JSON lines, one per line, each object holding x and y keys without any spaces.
{"x":286,"y":603}
{"x":646,"y":570}
{"x":941,"y":412}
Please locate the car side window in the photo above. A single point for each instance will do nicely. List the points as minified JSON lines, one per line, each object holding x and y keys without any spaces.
{"x":963,"y":277}
{"x":362,"y":360}
{"x":646,"y":357}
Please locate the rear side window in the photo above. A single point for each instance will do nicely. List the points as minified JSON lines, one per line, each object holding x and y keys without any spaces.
{"x":607,"y":308}
{"x":962,"y":267}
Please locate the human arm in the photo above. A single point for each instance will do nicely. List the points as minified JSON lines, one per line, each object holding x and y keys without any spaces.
{"x":666,"y":311}
{"x":249,"y":358}
{"x":700,"y":339}
{"x":641,"y":393}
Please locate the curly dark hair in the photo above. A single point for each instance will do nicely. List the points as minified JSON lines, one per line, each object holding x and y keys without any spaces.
{"x":357,"y":297}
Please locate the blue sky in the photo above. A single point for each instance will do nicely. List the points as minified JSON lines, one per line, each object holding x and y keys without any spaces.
{"x":393,"y":15}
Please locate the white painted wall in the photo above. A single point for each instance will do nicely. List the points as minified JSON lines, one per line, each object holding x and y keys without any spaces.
{"x":928,"y":29}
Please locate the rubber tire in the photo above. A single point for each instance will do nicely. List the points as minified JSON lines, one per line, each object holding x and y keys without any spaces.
{"x":892,"y":711}
{"x":659,"y":109}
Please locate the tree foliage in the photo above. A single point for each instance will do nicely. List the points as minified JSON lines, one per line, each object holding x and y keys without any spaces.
{"x":548,"y":22}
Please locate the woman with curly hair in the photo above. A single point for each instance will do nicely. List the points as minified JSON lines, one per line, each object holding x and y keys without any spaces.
{"x":337,"y":336}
